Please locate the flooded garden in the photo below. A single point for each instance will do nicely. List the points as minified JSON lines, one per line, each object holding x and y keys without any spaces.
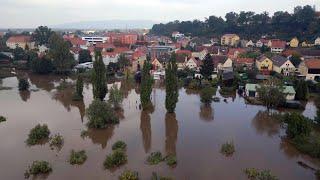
{"x":194,"y":133}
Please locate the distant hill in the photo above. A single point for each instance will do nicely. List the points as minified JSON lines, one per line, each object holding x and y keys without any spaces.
{"x":108,"y":24}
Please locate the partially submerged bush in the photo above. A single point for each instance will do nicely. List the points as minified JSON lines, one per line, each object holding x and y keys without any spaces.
{"x":100,"y":115}
{"x":38,"y":134}
{"x":156,"y":177}
{"x":119,"y":145}
{"x":2,"y":119}
{"x":84,"y":133}
{"x":129,"y":175}
{"x":298,"y":125}
{"x":56,"y":141}
{"x":23,"y":84}
{"x":38,"y":167}
{"x":116,"y":159}
{"x":115,"y":96}
{"x":227,"y":149}
{"x":206,"y":94}
{"x":77,"y":157}
{"x":255,"y":174}
{"x":155,"y":158}
{"x":171,"y":160}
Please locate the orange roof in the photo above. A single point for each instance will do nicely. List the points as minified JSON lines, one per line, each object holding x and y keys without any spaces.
{"x":19,"y":39}
{"x":289,"y":52}
{"x":313,"y":63}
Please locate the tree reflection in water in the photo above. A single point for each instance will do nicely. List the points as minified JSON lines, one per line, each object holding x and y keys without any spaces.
{"x":100,"y":136}
{"x":25,"y":95}
{"x":145,"y":127}
{"x":266,"y":123}
{"x":171,"y":124}
{"x":206,"y":113}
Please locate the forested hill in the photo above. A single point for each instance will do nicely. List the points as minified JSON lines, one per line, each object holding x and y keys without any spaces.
{"x":304,"y":23}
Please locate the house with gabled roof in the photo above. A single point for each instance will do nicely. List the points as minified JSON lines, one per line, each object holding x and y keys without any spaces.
{"x":264,"y":64}
{"x":277,"y":46}
{"x":310,"y":68}
{"x":21,"y":41}
{"x":282,"y":65}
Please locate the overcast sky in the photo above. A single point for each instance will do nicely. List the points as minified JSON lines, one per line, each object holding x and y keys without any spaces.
{"x":32,"y":13}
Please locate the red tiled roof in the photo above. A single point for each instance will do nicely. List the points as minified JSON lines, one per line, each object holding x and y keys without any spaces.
{"x":20,"y":38}
{"x":244,"y":60}
{"x":186,"y":52}
{"x":278,"y":44}
{"x":105,"y":45}
{"x":313,"y":63}
{"x":232,"y":51}
{"x":77,"y":41}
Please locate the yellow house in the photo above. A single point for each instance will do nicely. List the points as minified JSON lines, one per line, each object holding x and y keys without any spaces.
{"x":264,"y":64}
{"x":294,"y":42}
{"x":230,"y":40}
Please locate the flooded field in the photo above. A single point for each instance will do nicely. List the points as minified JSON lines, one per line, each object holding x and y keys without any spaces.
{"x":194,"y":133}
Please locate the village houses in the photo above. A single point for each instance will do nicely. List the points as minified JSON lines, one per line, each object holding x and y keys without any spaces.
{"x":282,"y":65}
{"x":21,"y":41}
{"x":310,"y":68}
{"x":230,"y":40}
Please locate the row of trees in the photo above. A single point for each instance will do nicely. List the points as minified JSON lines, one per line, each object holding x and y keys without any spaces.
{"x":303,"y":23}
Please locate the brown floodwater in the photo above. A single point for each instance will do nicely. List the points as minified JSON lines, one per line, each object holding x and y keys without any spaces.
{"x":194,"y":133}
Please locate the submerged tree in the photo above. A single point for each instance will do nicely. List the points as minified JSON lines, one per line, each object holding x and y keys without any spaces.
{"x":115,"y":96}
{"x":302,"y":90}
{"x":79,"y":89}
{"x":99,"y":77}
{"x":271,"y":94}
{"x":59,"y":52}
{"x":172,"y":92}
{"x":146,"y":84}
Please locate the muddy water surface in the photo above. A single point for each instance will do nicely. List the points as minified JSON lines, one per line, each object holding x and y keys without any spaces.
{"x":194,"y":133}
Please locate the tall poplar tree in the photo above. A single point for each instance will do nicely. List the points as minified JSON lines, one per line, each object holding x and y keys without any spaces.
{"x":172,"y":92}
{"x":146,"y":84}
{"x":99,"y":77}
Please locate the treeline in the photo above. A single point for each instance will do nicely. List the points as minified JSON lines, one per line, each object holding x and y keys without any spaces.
{"x":302,"y":23}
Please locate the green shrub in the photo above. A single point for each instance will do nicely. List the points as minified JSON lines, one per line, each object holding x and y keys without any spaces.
{"x":23,"y":84}
{"x":38,"y":167}
{"x":255,"y":174}
{"x":84,"y":133}
{"x":56,"y":141}
{"x":115,"y":96}
{"x":155,"y":158}
{"x":78,"y":157}
{"x":266,"y":175}
{"x":206,"y":94}
{"x":129,"y":175}
{"x":2,"y":119}
{"x":252,"y":173}
{"x":156,"y":177}
{"x":227,"y":149}
{"x":116,"y":159}
{"x":100,"y":115}
{"x":309,"y":145}
{"x":38,"y":134}
{"x":298,"y":125}
{"x":119,"y":145}
{"x":171,"y":160}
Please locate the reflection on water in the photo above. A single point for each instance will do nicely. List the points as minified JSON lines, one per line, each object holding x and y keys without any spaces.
{"x":194,"y":133}
{"x":264,"y":123}
{"x":145,"y":127}
{"x":25,"y":95}
{"x":171,"y":133}
{"x":100,"y":136}
{"x":206,"y":113}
